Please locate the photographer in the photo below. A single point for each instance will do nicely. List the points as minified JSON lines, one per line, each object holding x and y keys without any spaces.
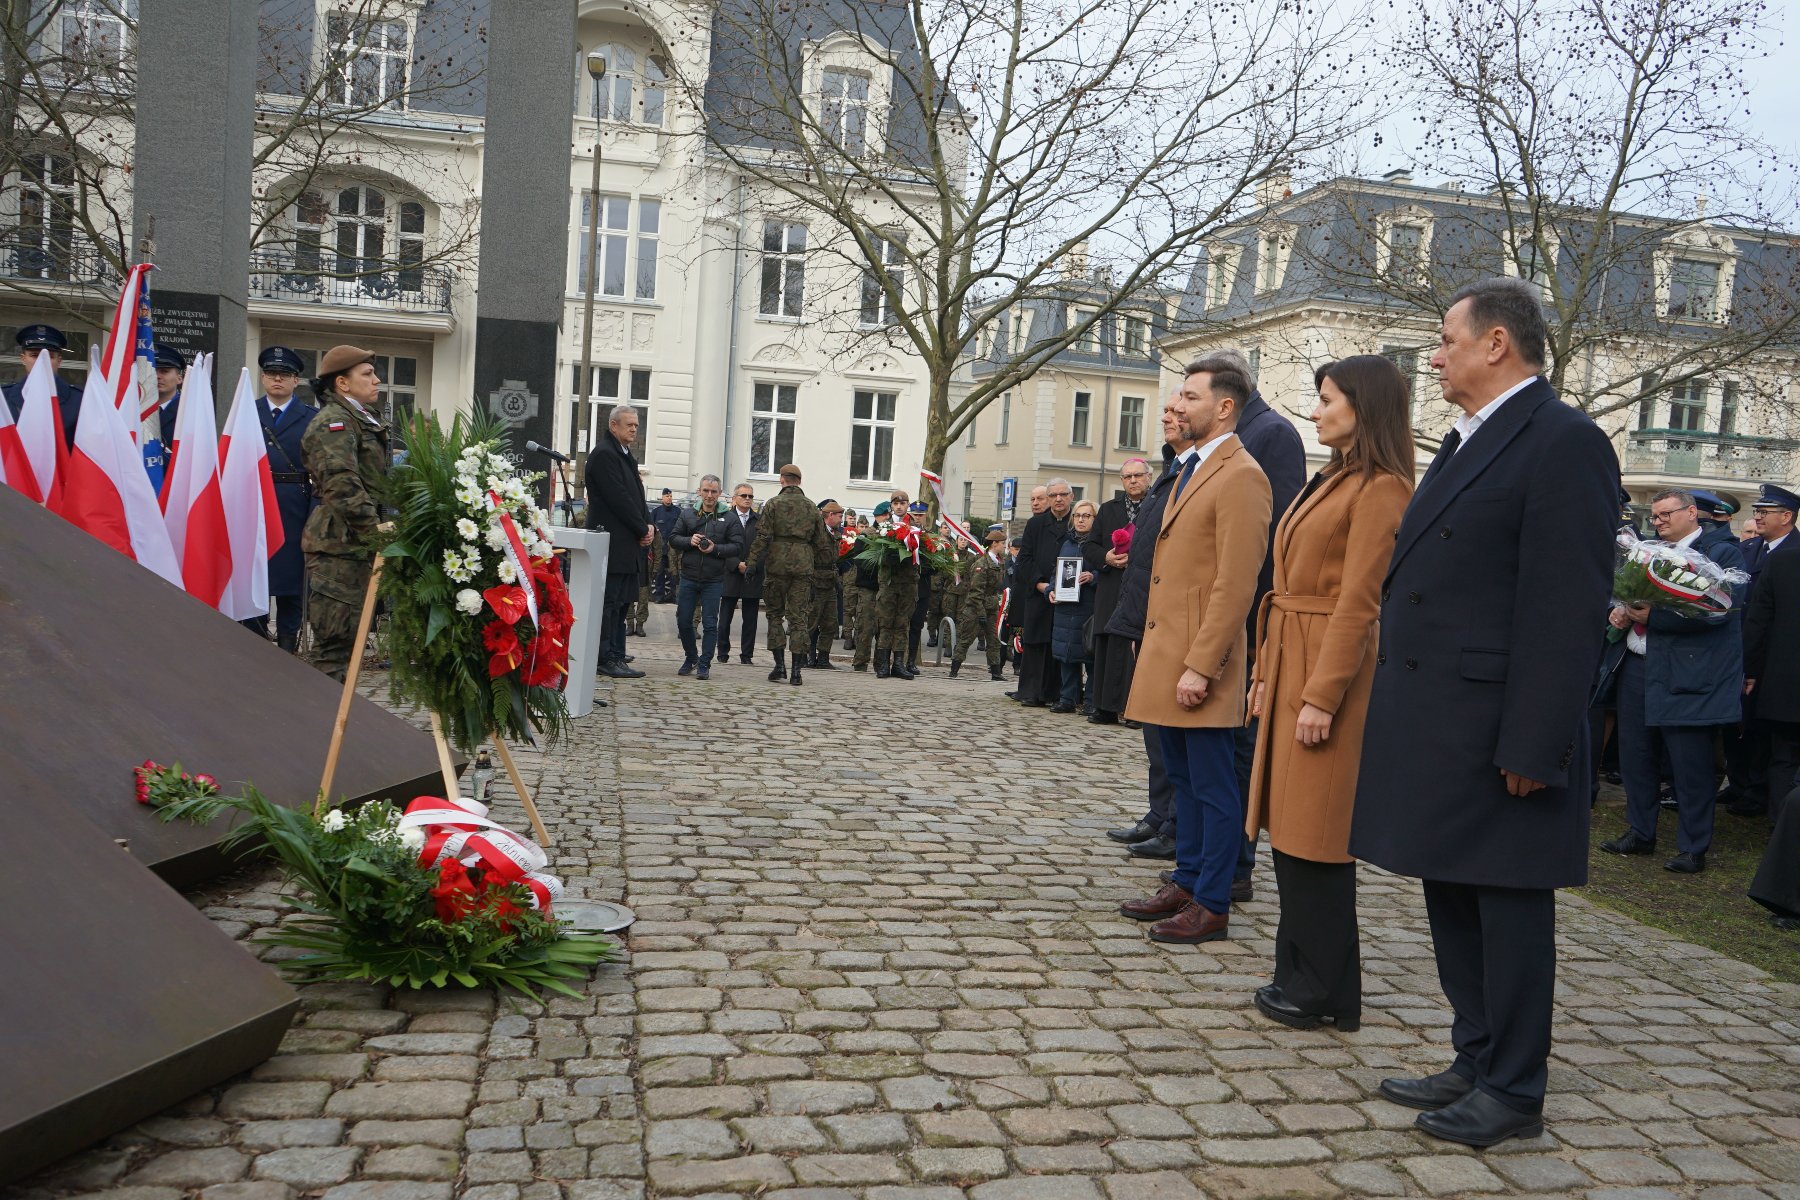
{"x":710,"y":541}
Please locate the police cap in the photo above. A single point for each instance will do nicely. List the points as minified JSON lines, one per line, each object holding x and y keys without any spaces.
{"x":41,"y":337}
{"x":169,"y":356}
{"x":279,"y":360}
{"x":1776,"y":497}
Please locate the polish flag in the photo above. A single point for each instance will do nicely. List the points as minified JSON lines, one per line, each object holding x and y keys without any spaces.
{"x":193,"y":508}
{"x":105,"y":490}
{"x":41,"y":432}
{"x":15,"y":467}
{"x":248,"y":493}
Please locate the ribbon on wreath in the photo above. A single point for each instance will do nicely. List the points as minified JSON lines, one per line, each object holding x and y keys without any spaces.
{"x":937,"y":489}
{"x":460,"y":831}
{"x":908,"y":537}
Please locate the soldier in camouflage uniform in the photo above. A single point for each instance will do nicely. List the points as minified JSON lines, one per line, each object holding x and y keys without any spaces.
{"x":981,"y":604}
{"x":827,"y":580}
{"x":345,"y":451}
{"x":789,"y":534}
{"x":640,"y":612}
{"x":937,"y":606}
{"x":895,"y":601}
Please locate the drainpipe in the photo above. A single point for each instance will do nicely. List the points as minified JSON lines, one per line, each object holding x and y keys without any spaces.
{"x":731,"y":354}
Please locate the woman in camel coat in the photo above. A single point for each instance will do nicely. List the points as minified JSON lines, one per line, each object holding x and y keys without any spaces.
{"x":1315,"y":664}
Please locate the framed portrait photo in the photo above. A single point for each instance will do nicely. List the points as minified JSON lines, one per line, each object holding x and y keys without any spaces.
{"x":1068,"y":580}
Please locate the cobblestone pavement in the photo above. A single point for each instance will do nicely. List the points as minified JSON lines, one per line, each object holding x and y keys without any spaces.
{"x":878,"y":958}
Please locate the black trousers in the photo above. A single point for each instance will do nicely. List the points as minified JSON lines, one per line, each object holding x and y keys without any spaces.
{"x":1318,"y":956}
{"x":1779,"y":774}
{"x":728,"y":607}
{"x":1034,"y":672}
{"x":289,"y":611}
{"x":1496,"y":960}
{"x":1162,"y":792}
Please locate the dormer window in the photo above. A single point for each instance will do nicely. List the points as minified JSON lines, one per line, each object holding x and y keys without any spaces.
{"x":370,"y":58}
{"x":844,"y":108}
{"x":631,"y":92}
{"x":1693,"y":290}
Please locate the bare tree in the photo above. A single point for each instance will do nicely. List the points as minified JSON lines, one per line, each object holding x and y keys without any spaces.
{"x":953,"y":160}
{"x":340,"y":93}
{"x":1602,"y":151}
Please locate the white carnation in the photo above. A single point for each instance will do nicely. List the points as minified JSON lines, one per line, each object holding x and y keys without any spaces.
{"x":542,"y":549}
{"x":412,"y":837}
{"x":496,"y":536}
{"x":468,"y":601}
{"x":508,"y":572}
{"x":462,"y":566}
{"x":332,"y":821}
{"x":467,"y":530}
{"x":469,"y":495}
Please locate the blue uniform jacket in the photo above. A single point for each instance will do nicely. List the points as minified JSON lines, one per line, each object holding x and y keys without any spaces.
{"x":68,"y":402}
{"x":293,"y":491}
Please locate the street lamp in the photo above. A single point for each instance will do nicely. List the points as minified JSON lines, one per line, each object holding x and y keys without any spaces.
{"x":584,"y":416}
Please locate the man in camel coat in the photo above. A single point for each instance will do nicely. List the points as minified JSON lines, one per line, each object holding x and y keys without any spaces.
{"x":1190,"y":671}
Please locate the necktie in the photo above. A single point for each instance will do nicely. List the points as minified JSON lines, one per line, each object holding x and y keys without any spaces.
{"x":1452,"y":440}
{"x":1185,"y":472}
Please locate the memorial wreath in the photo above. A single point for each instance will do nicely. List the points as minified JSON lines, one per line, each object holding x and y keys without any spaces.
{"x":479,"y":615}
{"x":903,"y":543}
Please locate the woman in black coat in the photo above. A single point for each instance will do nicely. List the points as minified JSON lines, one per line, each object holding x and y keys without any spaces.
{"x":1113,"y":659}
{"x":1069,"y":619}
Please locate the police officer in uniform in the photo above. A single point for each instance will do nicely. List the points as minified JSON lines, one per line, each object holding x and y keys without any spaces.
{"x":34,"y":340}
{"x":345,"y":450}
{"x":284,"y":423}
{"x":171,"y":365}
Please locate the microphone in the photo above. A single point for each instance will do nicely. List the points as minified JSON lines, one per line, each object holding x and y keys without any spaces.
{"x":545,"y":450}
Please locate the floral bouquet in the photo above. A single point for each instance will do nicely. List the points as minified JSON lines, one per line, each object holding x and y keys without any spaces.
{"x":1660,"y":575}
{"x":158,"y":785}
{"x":479,"y":613}
{"x":905,"y":544}
{"x":406,"y":899}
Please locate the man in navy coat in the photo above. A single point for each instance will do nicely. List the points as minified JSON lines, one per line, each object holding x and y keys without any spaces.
{"x":284,"y":421}
{"x":34,"y":340}
{"x":1474,"y":774}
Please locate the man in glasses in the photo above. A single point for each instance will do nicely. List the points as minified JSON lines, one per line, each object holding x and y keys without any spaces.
{"x":1678,"y":681}
{"x":742,"y":584}
{"x":1042,"y":539}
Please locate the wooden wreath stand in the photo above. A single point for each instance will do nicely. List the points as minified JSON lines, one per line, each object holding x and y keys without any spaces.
{"x":446,"y":767}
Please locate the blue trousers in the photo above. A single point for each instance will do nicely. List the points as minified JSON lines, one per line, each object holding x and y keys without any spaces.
{"x":706,"y":595}
{"x":1209,"y":824}
{"x":1690,"y":751}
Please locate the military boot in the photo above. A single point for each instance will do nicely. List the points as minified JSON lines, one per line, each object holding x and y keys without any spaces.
{"x":881,"y":663}
{"x":995,"y":675}
{"x":954,"y":668}
{"x":780,"y":671}
{"x":821,"y":660}
{"x":289,"y":642}
{"x":794,"y":675}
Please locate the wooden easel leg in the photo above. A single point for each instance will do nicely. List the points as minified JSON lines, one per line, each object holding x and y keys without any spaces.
{"x":446,"y":766}
{"x":350,"y":676}
{"x":518,"y":782}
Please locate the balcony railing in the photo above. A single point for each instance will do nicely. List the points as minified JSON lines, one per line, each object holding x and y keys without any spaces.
{"x":1709,"y":455}
{"x":49,"y":258}
{"x":329,"y":281}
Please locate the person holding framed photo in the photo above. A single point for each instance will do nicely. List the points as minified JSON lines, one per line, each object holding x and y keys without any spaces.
{"x":1315,"y":663}
{"x":1078,"y":562}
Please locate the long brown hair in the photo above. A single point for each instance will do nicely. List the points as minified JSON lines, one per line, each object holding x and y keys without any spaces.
{"x":1381,"y":398}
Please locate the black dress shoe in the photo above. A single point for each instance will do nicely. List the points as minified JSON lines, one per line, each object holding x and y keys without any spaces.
{"x":1060,"y":707}
{"x":1742,"y":807}
{"x":1143,"y":831}
{"x":1103,"y":718}
{"x":1161,"y":846}
{"x":1629,"y":843}
{"x":1032,"y":704}
{"x":1271,"y":1002}
{"x":1433,"y":1091}
{"x":1686,"y":863}
{"x":618,"y":670}
{"x":1480,"y":1120}
{"x":1243,"y":891}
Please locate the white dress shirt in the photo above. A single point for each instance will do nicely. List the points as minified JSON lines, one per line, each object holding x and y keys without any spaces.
{"x":1205,"y":451}
{"x":1468,"y":423}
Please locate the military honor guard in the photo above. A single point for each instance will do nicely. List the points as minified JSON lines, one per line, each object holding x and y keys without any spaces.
{"x":284,"y":423}
{"x":34,"y":340}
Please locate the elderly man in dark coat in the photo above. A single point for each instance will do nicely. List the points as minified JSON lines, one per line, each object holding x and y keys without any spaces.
{"x":1043,"y":537}
{"x":615,"y":503}
{"x":1474,"y":773}
{"x":1113,"y":654}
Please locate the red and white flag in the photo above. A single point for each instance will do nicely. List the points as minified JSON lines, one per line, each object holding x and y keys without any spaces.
{"x":15,"y":467}
{"x":193,"y":508}
{"x":248,"y":493}
{"x":127,"y":360}
{"x":105,"y":490}
{"x":41,"y":432}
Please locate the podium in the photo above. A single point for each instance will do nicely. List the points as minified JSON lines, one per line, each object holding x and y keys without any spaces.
{"x":587,"y":593}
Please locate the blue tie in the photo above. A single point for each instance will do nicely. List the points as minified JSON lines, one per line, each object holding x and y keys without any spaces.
{"x":1185,"y":472}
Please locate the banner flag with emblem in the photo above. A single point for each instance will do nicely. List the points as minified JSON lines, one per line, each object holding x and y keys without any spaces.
{"x":193,"y":509}
{"x":41,"y":431}
{"x":130,"y":362}
{"x":248,"y":492}
{"x":106,"y":491}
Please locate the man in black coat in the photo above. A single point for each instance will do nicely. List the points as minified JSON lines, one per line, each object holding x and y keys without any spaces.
{"x":615,"y":503}
{"x":1474,"y":774}
{"x":1042,"y":541}
{"x":1772,"y":640}
{"x":743,"y":583}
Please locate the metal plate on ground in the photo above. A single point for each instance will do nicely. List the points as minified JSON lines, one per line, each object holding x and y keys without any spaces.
{"x":595,"y":916}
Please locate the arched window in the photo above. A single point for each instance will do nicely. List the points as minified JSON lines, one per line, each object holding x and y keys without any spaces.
{"x":372,"y":241}
{"x":633,"y":88}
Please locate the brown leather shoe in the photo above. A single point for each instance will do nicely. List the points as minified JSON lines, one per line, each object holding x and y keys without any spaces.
{"x":1167,"y":902}
{"x":1193,"y":924}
